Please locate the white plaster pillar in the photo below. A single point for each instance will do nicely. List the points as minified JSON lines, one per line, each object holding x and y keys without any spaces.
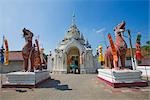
{"x":83,"y":65}
{"x":65,"y":62}
{"x":55,"y":62}
{"x":49,"y":64}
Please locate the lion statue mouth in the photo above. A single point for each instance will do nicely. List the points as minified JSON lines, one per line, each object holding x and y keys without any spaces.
{"x":27,"y":34}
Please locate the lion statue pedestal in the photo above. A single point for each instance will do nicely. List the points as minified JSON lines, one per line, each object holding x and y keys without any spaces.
{"x":25,"y":79}
{"x":113,"y":74}
{"x":33,"y":72}
{"x":121,"y":78}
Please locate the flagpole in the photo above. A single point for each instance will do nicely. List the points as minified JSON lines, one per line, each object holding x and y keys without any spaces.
{"x":1,"y":75}
{"x":131,"y":51}
{"x":1,"y":71}
{"x":1,"y":63}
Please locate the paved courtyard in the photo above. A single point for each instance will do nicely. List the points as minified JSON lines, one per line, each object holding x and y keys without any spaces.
{"x":75,"y":87}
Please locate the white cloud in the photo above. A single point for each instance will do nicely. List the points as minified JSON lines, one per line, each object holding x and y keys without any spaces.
{"x":101,"y":30}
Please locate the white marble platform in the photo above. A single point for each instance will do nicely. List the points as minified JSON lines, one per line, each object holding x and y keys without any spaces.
{"x":25,"y":78}
{"x":121,"y":77}
{"x":145,"y":70}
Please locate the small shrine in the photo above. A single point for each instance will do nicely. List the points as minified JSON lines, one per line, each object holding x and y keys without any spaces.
{"x":73,"y":54}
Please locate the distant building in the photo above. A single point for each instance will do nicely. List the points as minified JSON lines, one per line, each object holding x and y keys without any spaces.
{"x":15,"y":62}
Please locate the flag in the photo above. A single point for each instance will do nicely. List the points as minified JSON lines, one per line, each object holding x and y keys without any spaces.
{"x":101,"y":57}
{"x":6,"y":60}
{"x":113,"y":48}
{"x":2,"y":54}
{"x":138,"y":53}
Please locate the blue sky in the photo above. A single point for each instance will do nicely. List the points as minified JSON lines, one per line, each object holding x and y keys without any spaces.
{"x":50,"y":19}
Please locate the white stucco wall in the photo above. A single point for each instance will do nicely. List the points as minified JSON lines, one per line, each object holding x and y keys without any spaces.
{"x":60,"y":58}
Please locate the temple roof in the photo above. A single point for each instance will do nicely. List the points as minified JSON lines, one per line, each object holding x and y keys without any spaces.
{"x":73,"y":35}
{"x":73,"y":32}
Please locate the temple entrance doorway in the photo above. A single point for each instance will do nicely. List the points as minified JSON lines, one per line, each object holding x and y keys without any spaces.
{"x":73,"y":59}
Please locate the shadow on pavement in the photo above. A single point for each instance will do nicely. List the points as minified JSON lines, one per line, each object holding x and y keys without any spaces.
{"x":51,"y":83}
{"x":21,"y":90}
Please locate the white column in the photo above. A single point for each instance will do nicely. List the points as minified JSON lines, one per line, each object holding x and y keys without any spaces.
{"x":49,"y":64}
{"x":55,"y":62}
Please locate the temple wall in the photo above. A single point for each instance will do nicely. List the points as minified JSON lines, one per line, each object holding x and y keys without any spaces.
{"x":11,"y":67}
{"x":59,"y":64}
{"x":86,"y":59}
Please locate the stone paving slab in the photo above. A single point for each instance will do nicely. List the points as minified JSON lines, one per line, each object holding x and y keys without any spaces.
{"x":75,"y":87}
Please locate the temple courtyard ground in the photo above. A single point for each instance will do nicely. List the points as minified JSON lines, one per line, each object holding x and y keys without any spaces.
{"x":75,"y":87}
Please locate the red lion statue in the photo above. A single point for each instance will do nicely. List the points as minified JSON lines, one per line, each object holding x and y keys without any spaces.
{"x":116,"y":50}
{"x":30,"y":52}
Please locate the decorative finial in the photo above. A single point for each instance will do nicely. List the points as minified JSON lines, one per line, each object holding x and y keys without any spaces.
{"x":73,"y":18}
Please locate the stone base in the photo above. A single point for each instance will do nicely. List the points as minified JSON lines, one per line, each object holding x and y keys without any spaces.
{"x":121,"y":78}
{"x":145,"y":70}
{"x":25,"y":79}
{"x":89,"y":70}
{"x":59,"y":72}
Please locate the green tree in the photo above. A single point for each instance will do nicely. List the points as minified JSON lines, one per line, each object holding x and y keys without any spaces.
{"x":148,"y":43}
{"x":147,"y":47}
